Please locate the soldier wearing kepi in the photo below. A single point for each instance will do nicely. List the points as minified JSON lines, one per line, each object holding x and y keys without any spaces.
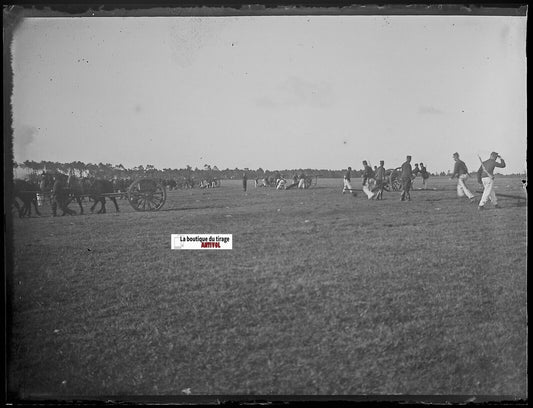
{"x":347,"y":180}
{"x":407,"y":174}
{"x":485,"y":176}
{"x":461,"y":172}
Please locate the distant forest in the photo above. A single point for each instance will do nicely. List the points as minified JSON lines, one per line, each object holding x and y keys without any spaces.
{"x":31,"y":168}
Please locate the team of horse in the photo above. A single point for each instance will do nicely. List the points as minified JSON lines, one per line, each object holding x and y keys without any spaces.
{"x":72,"y":189}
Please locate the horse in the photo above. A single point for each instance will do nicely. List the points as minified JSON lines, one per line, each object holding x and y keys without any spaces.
{"x":96,"y":191}
{"x":27,"y":193}
{"x":76,"y":189}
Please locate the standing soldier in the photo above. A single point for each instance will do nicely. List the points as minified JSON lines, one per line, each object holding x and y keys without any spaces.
{"x":368,"y":175}
{"x":485,"y":176}
{"x":380,"y":177}
{"x":60,"y":196}
{"x":407,"y":173}
{"x":425,"y":176}
{"x":347,"y":180}
{"x":244,"y":181}
{"x":461,"y":172}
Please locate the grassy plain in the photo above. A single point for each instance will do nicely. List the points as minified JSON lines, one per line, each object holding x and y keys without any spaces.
{"x":323,"y":293}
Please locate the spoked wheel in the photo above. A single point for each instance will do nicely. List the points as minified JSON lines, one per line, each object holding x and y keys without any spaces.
{"x":395,"y":180}
{"x":147,"y":194}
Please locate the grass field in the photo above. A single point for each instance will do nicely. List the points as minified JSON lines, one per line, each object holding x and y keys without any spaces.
{"x":323,"y":293}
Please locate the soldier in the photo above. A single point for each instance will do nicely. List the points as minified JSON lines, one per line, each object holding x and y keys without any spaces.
{"x":244,"y":181}
{"x":380,"y":179}
{"x":368,"y":175}
{"x":60,"y":196}
{"x":485,"y":176}
{"x":407,"y":174}
{"x":347,"y":180}
{"x":416,"y":170}
{"x":461,"y":172}
{"x":425,"y":175}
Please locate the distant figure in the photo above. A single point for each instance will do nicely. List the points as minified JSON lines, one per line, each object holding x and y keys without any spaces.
{"x":425,"y":175}
{"x":461,"y":172}
{"x":381,"y":180}
{"x":368,"y":179}
{"x":60,"y":196}
{"x":416,"y":170}
{"x":244,"y":181}
{"x":347,"y":180}
{"x":294,"y":182}
{"x":407,"y":174}
{"x":485,"y":176}
{"x":301,"y":182}
{"x":280,"y":185}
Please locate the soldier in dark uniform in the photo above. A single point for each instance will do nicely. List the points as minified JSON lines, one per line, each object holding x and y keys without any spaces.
{"x":244,"y":181}
{"x":380,"y":176}
{"x":60,"y":196}
{"x":407,"y":174}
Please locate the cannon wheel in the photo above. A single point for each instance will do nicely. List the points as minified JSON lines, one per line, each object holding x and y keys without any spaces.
{"x":146,"y":194}
{"x":395,"y":179}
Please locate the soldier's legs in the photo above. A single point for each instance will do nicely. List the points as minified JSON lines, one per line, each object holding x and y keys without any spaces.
{"x":347,"y":186}
{"x":488,"y":191}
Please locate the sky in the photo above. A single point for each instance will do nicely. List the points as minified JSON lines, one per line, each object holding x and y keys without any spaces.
{"x":271,"y":92}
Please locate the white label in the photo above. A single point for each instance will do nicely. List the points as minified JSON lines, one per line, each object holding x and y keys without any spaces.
{"x":201,"y":241}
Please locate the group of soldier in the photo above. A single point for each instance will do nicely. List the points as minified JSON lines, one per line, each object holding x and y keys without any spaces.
{"x":375,"y":180}
{"x":485,"y":177}
{"x":279,"y":181}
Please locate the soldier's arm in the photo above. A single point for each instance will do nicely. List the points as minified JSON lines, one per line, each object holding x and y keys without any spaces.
{"x":479,"y":172}
{"x":502,"y":164}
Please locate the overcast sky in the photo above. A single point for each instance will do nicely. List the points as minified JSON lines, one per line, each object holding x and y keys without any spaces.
{"x":274,"y":91}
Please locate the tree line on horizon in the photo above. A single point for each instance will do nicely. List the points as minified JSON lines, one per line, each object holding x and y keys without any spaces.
{"x":107,"y":170}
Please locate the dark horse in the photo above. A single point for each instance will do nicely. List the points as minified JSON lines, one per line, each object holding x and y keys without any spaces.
{"x":76,"y":190}
{"x":27,"y":193}
{"x":98,"y":188}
